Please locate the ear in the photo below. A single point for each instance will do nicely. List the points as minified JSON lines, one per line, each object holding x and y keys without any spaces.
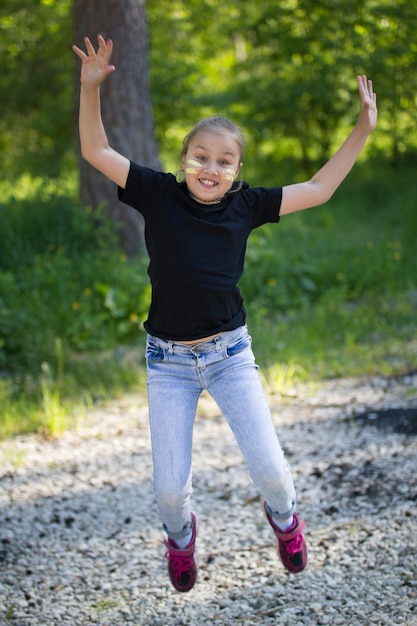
{"x":239,"y":169}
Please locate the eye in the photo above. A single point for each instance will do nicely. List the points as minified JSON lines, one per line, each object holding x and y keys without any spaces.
{"x":224,"y":163}
{"x":201,"y":158}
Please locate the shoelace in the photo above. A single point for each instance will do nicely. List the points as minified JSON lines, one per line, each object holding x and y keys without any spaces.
{"x":294,"y":546}
{"x":180,"y":565}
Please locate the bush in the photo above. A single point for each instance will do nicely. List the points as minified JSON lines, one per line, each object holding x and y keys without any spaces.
{"x":357,"y":246}
{"x":62,"y":276}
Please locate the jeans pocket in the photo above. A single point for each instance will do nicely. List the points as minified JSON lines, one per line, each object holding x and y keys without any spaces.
{"x":153,"y":351}
{"x":243,"y":343}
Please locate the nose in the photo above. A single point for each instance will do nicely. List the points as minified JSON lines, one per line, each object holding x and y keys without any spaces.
{"x":211,"y":167}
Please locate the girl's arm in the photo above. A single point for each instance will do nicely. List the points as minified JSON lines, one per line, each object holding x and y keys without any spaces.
{"x":94,"y":144}
{"x":320,"y":188}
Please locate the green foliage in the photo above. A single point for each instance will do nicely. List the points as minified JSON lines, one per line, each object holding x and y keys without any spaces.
{"x":334,"y":289}
{"x":36,"y":87}
{"x":314,"y":261}
{"x":294,"y":265}
{"x":329,"y":292}
{"x":61,"y":275}
{"x":286,"y":72}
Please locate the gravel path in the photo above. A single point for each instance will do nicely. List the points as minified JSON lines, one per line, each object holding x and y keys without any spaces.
{"x":80,"y":538}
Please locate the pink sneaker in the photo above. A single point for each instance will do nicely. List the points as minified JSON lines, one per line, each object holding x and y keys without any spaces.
{"x":182,"y":566}
{"x":292,"y":548}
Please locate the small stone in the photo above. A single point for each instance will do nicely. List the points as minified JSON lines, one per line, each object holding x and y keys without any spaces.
{"x":81,"y":540}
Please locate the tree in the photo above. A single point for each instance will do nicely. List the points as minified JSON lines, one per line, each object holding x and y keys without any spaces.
{"x":283,"y":70}
{"x":36,"y":130}
{"x":126,"y":104}
{"x":286,"y":72}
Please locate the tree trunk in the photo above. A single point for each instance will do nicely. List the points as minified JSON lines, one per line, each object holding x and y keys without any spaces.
{"x":126,"y":104}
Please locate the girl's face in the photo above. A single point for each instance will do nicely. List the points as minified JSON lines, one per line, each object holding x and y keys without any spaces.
{"x":211,"y":164}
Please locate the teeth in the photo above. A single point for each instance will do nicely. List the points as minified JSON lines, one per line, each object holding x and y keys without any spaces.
{"x":208,"y":182}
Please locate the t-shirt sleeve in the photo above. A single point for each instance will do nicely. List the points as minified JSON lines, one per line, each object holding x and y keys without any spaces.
{"x":266,"y":205}
{"x":141,"y":185}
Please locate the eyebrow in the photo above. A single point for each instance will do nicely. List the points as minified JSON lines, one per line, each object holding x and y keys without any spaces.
{"x":229,"y":152}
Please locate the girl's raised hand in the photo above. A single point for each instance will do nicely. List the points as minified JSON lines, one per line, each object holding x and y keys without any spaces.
{"x":368,"y":113}
{"x":95,"y":64}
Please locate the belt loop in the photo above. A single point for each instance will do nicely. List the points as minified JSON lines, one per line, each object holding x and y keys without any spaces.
{"x":218,"y":342}
{"x":171,"y":347}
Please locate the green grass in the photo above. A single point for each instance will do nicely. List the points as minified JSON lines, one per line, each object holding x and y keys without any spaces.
{"x":334,"y":339}
{"x":52,"y":402}
{"x":329,"y":292}
{"x":332,"y":291}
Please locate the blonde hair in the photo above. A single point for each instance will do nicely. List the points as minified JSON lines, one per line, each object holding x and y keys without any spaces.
{"x":215,"y":124}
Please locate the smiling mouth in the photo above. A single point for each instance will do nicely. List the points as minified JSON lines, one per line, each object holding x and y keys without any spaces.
{"x":207,"y":183}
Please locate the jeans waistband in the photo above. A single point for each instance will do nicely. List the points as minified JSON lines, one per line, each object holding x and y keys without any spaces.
{"x":212,"y":345}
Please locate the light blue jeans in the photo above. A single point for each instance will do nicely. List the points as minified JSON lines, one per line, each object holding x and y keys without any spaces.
{"x":226,"y":368}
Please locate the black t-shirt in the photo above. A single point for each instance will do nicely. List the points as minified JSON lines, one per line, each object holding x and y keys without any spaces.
{"x":196,"y":252}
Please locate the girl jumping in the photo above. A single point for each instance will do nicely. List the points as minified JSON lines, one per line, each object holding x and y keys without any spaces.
{"x":196,"y":231}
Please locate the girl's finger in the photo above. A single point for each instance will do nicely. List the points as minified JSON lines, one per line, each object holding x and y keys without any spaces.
{"x":89,"y":46}
{"x":79,"y":52}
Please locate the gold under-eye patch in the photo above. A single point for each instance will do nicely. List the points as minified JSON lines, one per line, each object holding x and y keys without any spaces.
{"x":191,"y":170}
{"x":229,"y":174}
{"x":193,"y":162}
